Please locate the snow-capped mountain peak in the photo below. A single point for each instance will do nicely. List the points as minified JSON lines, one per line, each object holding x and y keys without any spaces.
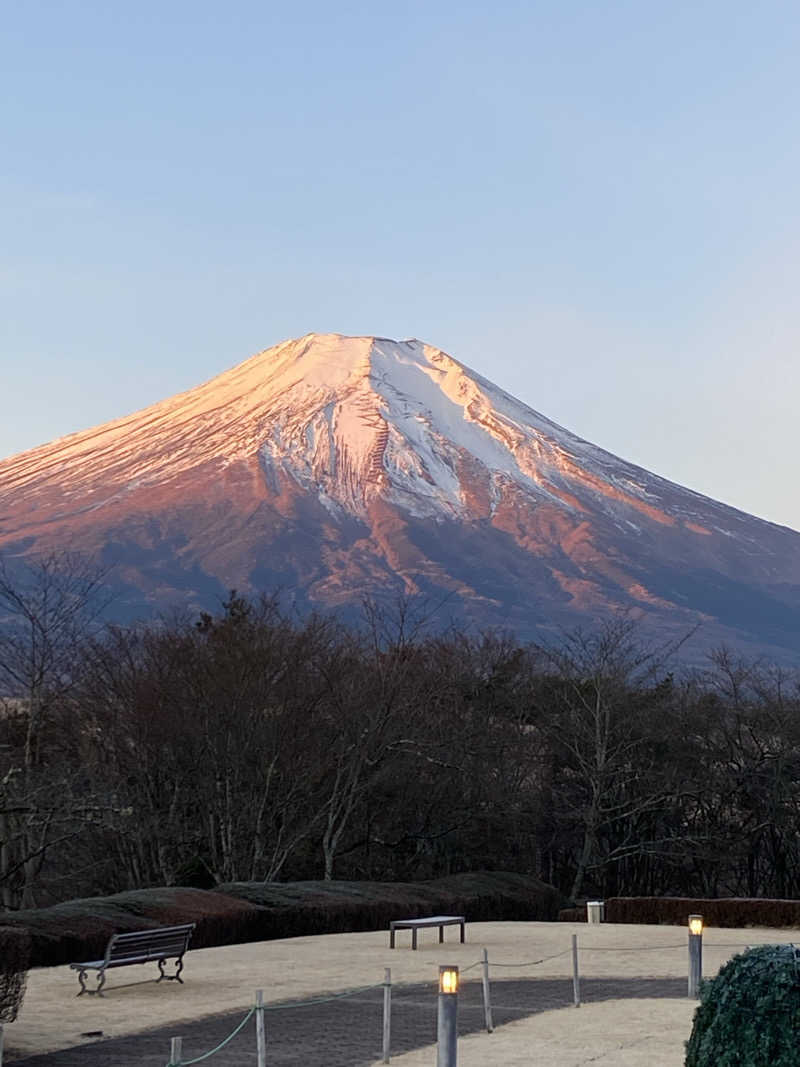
{"x":337,"y":465}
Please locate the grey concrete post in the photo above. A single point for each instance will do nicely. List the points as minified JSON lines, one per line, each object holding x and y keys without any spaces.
{"x":387,"y":1014}
{"x":447,"y":1023}
{"x":261,"y":1040}
{"x":695,"y":959}
{"x":576,"y":978}
{"x":176,"y":1051}
{"x":487,"y":994}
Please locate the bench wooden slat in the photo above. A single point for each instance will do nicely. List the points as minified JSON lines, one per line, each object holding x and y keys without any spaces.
{"x":168,"y":947}
{"x":431,"y":920}
{"x":434,"y":920}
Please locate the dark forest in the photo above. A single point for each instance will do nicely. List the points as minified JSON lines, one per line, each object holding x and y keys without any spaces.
{"x":252,"y":745}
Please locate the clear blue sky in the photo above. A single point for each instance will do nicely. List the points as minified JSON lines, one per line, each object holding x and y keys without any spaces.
{"x":594,"y":204}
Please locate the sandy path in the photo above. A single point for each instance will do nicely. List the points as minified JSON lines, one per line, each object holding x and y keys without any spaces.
{"x":222,"y":979}
{"x":616,"y":1033}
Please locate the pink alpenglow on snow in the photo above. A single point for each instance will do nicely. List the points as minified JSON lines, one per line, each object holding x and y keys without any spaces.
{"x":336,"y":467}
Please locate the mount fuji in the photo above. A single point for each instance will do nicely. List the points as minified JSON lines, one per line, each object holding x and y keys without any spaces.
{"x":333,"y":468}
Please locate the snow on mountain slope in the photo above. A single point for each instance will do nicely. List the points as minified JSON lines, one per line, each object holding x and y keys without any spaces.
{"x":338,"y":465}
{"x":353,"y":417}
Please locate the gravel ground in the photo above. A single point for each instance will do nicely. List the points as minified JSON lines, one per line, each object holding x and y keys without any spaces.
{"x":347,"y":1032}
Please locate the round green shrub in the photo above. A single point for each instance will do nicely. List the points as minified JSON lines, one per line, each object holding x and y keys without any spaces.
{"x":749,"y":1015}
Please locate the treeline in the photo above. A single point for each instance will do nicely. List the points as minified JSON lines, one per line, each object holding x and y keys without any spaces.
{"x":254,"y":746}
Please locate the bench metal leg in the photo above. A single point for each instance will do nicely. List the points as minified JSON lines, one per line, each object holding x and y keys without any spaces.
{"x":170,"y":977}
{"x":97,"y":991}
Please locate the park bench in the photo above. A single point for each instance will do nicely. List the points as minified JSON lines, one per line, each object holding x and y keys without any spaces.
{"x":143,"y":946}
{"x":417,"y":924}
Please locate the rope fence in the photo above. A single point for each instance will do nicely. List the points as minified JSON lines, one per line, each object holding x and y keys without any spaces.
{"x":532,"y":963}
{"x":259,"y":1009}
{"x":175,"y":1057}
{"x":633,"y":948}
{"x":280,"y":1005}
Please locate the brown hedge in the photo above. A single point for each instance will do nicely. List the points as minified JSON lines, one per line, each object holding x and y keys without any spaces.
{"x":298,"y":908}
{"x":80,"y":929}
{"x":252,"y":911}
{"x":722,"y":912}
{"x":15,"y":950}
{"x":572,"y":915}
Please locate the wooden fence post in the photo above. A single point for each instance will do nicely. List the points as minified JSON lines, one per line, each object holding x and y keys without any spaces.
{"x":487,"y":996}
{"x":176,"y":1051}
{"x":387,"y":1014}
{"x":576,"y":978}
{"x":261,"y":1041}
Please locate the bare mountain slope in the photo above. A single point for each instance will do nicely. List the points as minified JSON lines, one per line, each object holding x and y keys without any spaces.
{"x":335,"y":467}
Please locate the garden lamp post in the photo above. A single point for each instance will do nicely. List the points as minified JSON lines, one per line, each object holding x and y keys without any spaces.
{"x":695,"y":955}
{"x":446,"y":1031}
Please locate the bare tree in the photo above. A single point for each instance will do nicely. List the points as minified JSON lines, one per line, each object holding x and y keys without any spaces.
{"x":47,"y":608}
{"x":256,"y":694}
{"x":375,"y":685}
{"x":603,"y":688}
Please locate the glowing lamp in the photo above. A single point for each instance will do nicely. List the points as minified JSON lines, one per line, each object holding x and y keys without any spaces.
{"x":447,"y":1018}
{"x":448,"y":979}
{"x":695,"y":955}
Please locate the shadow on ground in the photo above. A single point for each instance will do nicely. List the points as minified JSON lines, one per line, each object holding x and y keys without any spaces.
{"x":347,"y":1032}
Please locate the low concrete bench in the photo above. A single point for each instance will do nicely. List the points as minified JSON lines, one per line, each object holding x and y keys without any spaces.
{"x":417,"y":924}
{"x":142,"y":946}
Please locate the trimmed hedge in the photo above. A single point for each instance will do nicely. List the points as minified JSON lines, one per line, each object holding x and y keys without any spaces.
{"x":730,"y":911}
{"x":253,"y":911}
{"x":573,"y":915}
{"x":80,"y":929}
{"x":15,"y":951}
{"x":749,"y":1013}
{"x":298,"y":908}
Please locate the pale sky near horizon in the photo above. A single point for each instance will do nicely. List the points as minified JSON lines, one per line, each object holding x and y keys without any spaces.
{"x":595,"y":205}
